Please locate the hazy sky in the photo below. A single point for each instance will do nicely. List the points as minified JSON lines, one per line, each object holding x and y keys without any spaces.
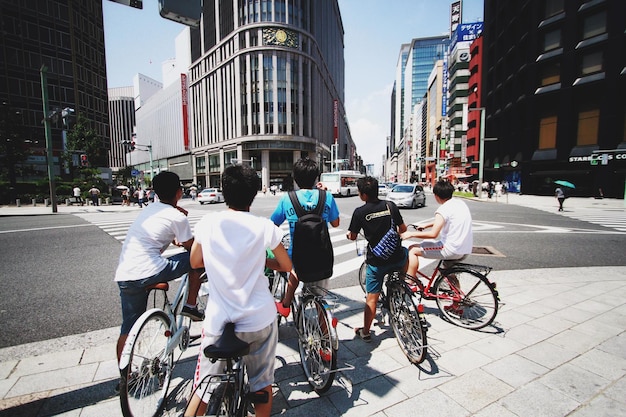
{"x":140,"y":40}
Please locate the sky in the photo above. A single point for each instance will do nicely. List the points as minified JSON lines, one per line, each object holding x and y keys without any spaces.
{"x":138,"y":41}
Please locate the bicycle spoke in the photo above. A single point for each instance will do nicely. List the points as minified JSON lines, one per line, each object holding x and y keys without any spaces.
{"x":406,"y":324}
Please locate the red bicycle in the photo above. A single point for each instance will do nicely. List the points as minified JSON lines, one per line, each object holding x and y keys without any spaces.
{"x":463,"y":293}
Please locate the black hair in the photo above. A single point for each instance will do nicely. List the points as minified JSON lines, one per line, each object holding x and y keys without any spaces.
{"x":166,"y":184}
{"x":240,"y":184}
{"x":443,"y":189}
{"x":305,"y":173}
{"x":368,"y":186}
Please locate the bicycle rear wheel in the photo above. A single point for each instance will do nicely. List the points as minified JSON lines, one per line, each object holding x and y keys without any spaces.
{"x":317,"y":354}
{"x":362,"y":273}
{"x":405,"y":321}
{"x":222,"y":401}
{"x":146,"y":378}
{"x":466,"y":298}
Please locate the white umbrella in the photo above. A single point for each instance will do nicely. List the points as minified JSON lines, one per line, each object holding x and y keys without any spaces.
{"x":121,"y":187}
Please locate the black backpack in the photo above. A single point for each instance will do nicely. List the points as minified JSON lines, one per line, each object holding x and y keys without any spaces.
{"x":311,"y":250}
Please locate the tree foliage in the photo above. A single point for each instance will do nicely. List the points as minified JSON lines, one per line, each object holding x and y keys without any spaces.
{"x":82,"y":139}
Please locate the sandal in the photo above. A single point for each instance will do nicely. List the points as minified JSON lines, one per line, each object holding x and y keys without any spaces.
{"x":364,"y":337}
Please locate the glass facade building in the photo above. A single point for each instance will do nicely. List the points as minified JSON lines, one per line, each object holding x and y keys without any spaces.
{"x":267,"y":87}
{"x":68,"y":38}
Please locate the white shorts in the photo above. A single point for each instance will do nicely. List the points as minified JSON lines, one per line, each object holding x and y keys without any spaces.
{"x":259,"y":362}
{"x":432,"y":249}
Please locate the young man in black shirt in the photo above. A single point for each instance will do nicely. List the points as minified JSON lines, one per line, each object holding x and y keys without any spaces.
{"x":375,"y":217}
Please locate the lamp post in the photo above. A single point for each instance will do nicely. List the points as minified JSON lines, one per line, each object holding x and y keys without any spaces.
{"x":46,"y":122}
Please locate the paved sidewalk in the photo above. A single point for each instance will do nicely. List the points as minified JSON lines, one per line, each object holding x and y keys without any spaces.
{"x":558,"y":349}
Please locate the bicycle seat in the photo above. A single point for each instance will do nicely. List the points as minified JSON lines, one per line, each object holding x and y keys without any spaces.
{"x":158,"y":286}
{"x":228,"y":345}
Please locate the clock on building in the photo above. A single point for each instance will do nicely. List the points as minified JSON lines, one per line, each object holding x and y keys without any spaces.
{"x":281,"y":37}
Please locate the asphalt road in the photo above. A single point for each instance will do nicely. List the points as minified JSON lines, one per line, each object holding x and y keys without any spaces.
{"x":57,"y":270}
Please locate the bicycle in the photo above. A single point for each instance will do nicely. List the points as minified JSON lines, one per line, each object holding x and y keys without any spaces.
{"x":464,"y":295}
{"x":318,"y":342}
{"x":231,"y":394}
{"x":147,"y":359}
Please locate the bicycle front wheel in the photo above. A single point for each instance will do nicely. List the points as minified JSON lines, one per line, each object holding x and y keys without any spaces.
{"x":362,"y":273}
{"x":407,"y":326}
{"x":466,"y":298}
{"x":317,"y":354}
{"x":146,"y":378}
{"x":222,"y":401}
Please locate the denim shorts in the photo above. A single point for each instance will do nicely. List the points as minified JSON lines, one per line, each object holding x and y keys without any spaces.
{"x":260,"y":362}
{"x":134,"y":295}
{"x":374,"y":275}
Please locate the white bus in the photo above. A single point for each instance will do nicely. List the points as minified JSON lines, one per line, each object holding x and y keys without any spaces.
{"x":341,"y":183}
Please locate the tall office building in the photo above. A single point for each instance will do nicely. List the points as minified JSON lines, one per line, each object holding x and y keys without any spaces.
{"x":267,"y":87}
{"x":554,"y":79}
{"x":122,"y":124}
{"x":68,"y":38}
{"x":415,"y":63}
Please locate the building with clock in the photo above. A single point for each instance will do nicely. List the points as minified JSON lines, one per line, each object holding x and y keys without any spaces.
{"x":266,"y":86}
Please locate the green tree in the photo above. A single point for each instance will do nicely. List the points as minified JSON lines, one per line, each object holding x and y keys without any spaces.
{"x":82,"y":140}
{"x":13,"y":149}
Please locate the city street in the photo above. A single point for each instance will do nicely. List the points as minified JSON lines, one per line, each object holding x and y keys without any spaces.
{"x":558,"y":337}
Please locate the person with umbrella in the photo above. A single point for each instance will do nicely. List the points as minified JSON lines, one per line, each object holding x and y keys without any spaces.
{"x":559,"y":193}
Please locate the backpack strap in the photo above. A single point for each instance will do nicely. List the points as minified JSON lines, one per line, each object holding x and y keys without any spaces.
{"x":319,"y":209}
{"x":296,"y":204}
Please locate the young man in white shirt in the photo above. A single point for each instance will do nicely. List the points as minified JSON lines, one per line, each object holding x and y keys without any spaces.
{"x":450,"y":234}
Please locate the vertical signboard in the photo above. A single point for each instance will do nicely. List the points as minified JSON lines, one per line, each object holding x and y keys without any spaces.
{"x":456,"y":11}
{"x":185,"y":105}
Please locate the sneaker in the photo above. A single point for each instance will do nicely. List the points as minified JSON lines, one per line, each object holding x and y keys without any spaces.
{"x":454,"y":309}
{"x":282,"y":310}
{"x":364,"y":337}
{"x":193,"y":313}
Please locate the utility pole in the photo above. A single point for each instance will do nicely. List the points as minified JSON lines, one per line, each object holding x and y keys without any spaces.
{"x":46,"y":121}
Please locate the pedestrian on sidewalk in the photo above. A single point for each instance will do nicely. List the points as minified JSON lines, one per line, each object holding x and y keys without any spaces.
{"x":77,"y":196}
{"x":560,"y":197}
{"x":381,"y":221}
{"x":94,"y":192}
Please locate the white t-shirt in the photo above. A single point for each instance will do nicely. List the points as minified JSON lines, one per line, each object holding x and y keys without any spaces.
{"x":456,"y":234}
{"x":234,"y":250}
{"x":150,"y":234}
{"x":76,"y":192}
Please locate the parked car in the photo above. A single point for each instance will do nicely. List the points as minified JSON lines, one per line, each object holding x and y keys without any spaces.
{"x":407,"y":195}
{"x":210,"y":195}
{"x":382,"y":190}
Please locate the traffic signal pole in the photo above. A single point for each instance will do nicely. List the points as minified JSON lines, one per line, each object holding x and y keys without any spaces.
{"x":46,"y":121}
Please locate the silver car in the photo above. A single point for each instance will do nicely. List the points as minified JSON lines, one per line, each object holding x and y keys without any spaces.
{"x":407,"y":195}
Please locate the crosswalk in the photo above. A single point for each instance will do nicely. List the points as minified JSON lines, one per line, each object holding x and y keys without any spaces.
{"x":346,"y":259}
{"x":614,"y":219}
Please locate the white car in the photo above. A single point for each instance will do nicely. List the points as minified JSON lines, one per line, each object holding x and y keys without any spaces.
{"x":210,"y":195}
{"x":382,"y":190}
{"x":407,"y":195}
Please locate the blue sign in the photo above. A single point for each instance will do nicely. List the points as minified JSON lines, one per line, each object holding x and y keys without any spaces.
{"x":134,"y":172}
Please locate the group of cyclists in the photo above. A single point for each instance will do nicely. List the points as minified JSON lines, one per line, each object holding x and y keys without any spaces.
{"x":230,"y":246}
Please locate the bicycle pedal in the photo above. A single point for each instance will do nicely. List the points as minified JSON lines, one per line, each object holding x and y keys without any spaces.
{"x":259,"y":397}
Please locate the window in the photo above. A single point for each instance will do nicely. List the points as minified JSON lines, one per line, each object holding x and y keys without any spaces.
{"x":214,"y":163}
{"x":591,"y":63}
{"x":547,"y":132}
{"x":552,"y":40}
{"x":553,"y":7}
{"x":594,"y":25}
{"x":588,"y":121}
{"x":201,"y":165}
{"x":551,"y":74}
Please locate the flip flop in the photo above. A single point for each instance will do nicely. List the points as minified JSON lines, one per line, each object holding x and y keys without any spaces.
{"x":364,"y":337}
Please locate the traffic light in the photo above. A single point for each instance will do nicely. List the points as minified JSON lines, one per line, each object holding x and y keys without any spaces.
{"x":84,"y":162}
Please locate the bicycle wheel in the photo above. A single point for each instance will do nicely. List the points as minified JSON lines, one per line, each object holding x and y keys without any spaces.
{"x":317,"y":355}
{"x":362,"y":273}
{"x":466,"y":298}
{"x":146,"y":378}
{"x":406,"y":324}
{"x":278,"y":285}
{"x":222,"y":401}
